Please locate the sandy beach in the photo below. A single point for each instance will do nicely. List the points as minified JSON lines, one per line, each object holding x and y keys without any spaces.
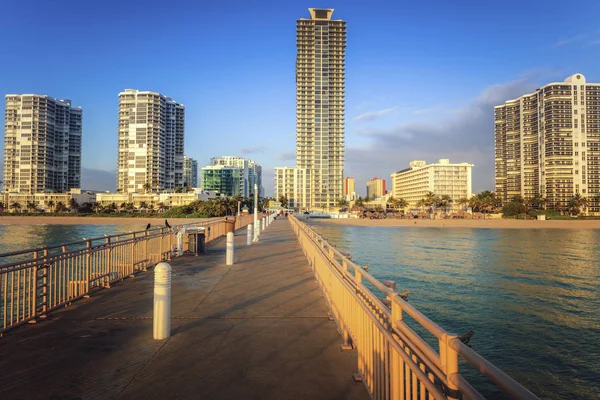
{"x":468,"y":223}
{"x":67,"y":220}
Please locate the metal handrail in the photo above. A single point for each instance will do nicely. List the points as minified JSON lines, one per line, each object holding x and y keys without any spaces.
{"x":46,"y":280}
{"x":442,"y":364}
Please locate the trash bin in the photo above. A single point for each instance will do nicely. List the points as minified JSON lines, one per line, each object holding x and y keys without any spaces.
{"x":197,"y":242}
{"x":229,"y":224}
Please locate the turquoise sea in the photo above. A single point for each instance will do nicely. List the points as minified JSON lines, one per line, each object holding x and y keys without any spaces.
{"x":531,"y":296}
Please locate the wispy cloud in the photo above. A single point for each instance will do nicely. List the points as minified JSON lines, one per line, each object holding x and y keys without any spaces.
{"x":373,"y":115}
{"x":286,"y":156}
{"x":582,"y":39}
{"x":251,"y":150}
{"x":423,"y":111}
{"x":465,"y":135}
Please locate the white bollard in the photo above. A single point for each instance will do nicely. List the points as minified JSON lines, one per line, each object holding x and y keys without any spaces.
{"x":262,"y":224}
{"x":249,"y":235}
{"x":162,"y":301}
{"x":229,"y":249}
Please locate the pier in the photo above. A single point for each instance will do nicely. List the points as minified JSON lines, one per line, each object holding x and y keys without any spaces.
{"x":258,"y":329}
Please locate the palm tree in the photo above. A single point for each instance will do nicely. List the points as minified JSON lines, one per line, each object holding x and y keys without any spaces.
{"x":2,"y":206}
{"x":123,"y":206}
{"x":342,"y":203}
{"x":96,"y":207}
{"x":161,"y":206}
{"x":61,"y":207}
{"x":463,"y":201}
{"x":359,"y":202}
{"x":284,"y":201}
{"x":16,"y":206}
{"x":31,"y":207}
{"x":73,"y":205}
{"x":147,"y":187}
{"x":129,"y":206}
{"x":143,"y":205}
{"x":51,"y":205}
{"x":577,"y":203}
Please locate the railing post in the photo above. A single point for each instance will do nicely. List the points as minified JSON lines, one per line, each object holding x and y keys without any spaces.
{"x":396,"y":363}
{"x":449,"y":360}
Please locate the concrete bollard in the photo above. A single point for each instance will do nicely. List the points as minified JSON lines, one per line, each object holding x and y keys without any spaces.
{"x":249,"y":235}
{"x":229,"y":249}
{"x":262,"y":224}
{"x":162,"y":301}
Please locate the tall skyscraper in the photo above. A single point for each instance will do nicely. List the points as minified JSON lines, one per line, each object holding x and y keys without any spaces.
{"x":320,"y":94}
{"x":251,"y":173}
{"x":190,"y":171}
{"x":151,"y":129}
{"x":547,"y":143}
{"x":42,"y":144}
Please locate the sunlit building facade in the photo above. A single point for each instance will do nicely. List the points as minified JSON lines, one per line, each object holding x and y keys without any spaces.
{"x":190,"y":171}
{"x":375,"y":188}
{"x":547,"y":143}
{"x":151,"y":137}
{"x":42,"y":144}
{"x":441,"y":178}
{"x":290,"y":183}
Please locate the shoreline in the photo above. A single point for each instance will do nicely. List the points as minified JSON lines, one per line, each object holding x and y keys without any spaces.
{"x":70,"y":220}
{"x":464,"y":223}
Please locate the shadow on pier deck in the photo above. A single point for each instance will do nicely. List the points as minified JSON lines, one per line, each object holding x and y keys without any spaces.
{"x":256,"y":330}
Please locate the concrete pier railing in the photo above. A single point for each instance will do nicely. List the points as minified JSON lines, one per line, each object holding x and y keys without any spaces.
{"x":394,"y":362}
{"x":35,"y":281}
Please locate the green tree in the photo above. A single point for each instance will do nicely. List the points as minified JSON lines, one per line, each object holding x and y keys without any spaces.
{"x":147,"y":187}
{"x":73,"y":205}
{"x":16,"y":206}
{"x":360,"y":202}
{"x":51,"y":205}
{"x":143,"y":205}
{"x":31,"y":207}
{"x":97,"y":207}
{"x":161,"y":206}
{"x":61,"y":207}
{"x":2,"y":205}
{"x":463,"y":201}
{"x":577,"y":203}
{"x":342,"y":203}
{"x":284,"y":201}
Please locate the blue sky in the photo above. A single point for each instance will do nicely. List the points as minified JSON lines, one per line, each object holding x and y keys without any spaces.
{"x":421,"y":77}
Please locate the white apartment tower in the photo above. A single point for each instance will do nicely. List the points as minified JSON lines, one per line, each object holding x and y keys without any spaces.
{"x":320,"y":93}
{"x":42,"y":144}
{"x":151,"y":129}
{"x":547,"y":143}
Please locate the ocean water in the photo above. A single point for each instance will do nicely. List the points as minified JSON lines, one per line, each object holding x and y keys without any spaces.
{"x":20,"y":237}
{"x":532,"y":297}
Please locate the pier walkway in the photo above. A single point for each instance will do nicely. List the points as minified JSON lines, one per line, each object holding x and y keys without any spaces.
{"x":256,"y":330}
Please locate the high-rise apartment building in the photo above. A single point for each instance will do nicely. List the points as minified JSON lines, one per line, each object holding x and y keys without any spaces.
{"x":320,"y":94}
{"x":441,"y":178}
{"x":349,"y":188}
{"x":42,"y":144}
{"x":151,"y":131}
{"x":547,"y":143}
{"x":190,"y":171}
{"x":375,"y":188}
{"x":223,"y":179}
{"x":251,"y":171}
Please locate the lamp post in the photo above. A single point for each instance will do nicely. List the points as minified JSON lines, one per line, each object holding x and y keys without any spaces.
{"x":255,"y":212}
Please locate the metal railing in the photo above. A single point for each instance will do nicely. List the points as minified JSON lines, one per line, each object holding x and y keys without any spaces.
{"x":394,"y":361}
{"x":33,"y":282}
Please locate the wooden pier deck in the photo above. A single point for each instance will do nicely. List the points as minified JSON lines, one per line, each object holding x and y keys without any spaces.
{"x":256,"y":330}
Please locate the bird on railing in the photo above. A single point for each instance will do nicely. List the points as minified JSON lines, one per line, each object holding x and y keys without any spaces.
{"x":148,"y":226}
{"x":167,"y":224}
{"x":466,"y":338}
{"x":404,"y":295}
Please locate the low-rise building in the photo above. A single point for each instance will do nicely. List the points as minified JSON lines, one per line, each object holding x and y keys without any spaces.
{"x":290,"y":182}
{"x":441,"y":178}
{"x":48,"y":202}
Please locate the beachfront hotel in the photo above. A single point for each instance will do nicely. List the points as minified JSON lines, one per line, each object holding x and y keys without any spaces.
{"x":42,"y":144}
{"x":190,"y":171}
{"x":375,"y":188}
{"x":251,"y":173}
{"x":151,"y":129}
{"x":320,"y":94}
{"x":547,"y":144}
{"x":441,"y":178}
